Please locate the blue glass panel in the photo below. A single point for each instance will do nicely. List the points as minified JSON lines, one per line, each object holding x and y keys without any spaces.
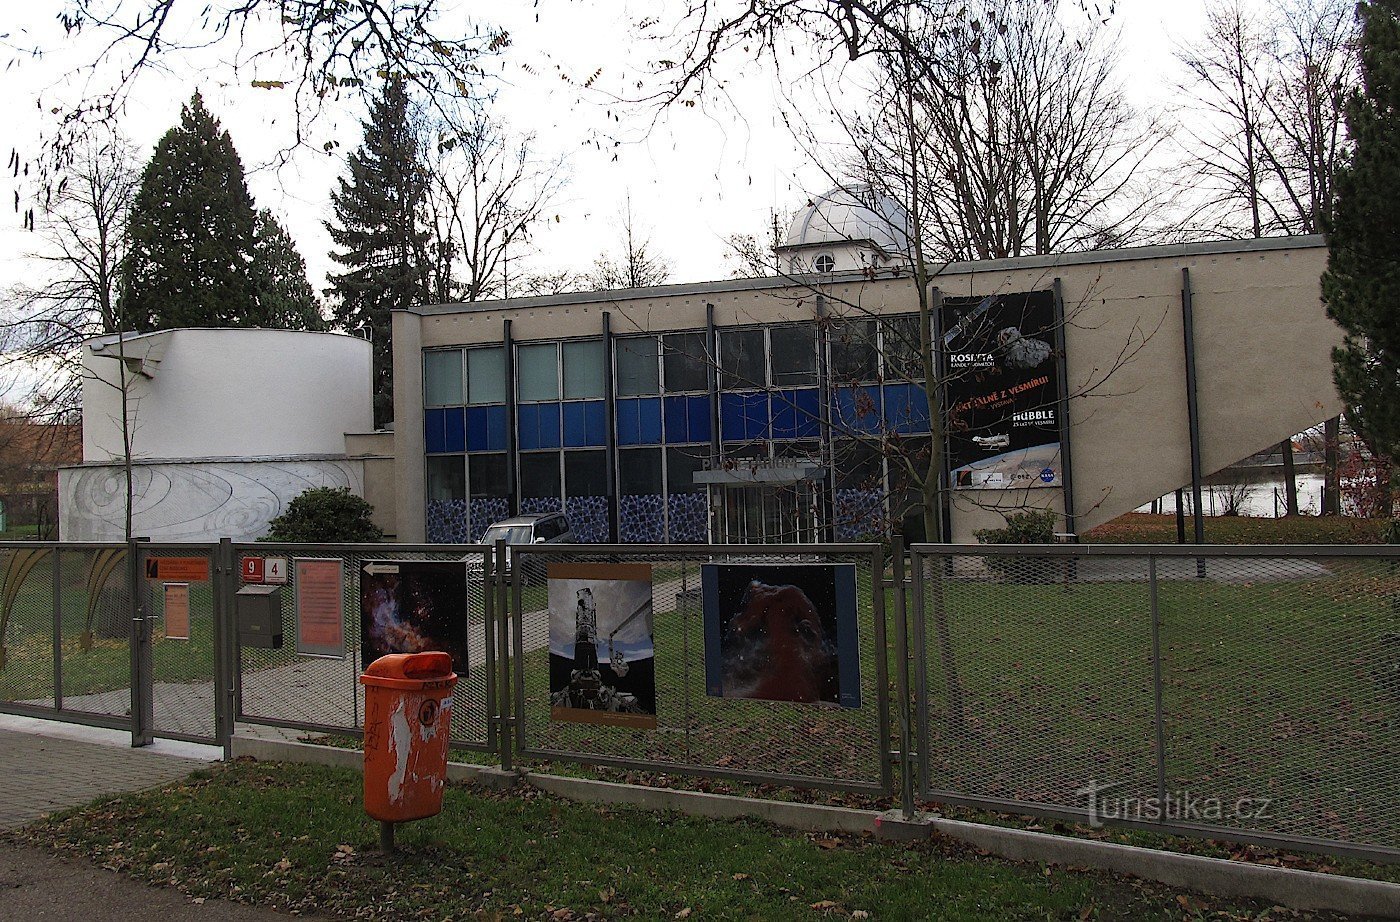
{"x":698,"y":409}
{"x":454,"y":436}
{"x":585,"y":424}
{"x":743,"y":417}
{"x":857,"y":410}
{"x":677,"y":420}
{"x":795,"y":414}
{"x":596,"y":422}
{"x":434,"y":430}
{"x":575,"y":429}
{"x":906,"y":408}
{"x":528,"y":426}
{"x":549,"y":425}
{"x":649,"y":420}
{"x":784,"y":416}
{"x":628,"y":429}
{"x":496,"y":428}
{"x":486,"y":428}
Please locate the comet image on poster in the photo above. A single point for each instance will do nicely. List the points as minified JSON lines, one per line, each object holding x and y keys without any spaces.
{"x":413,"y":606}
{"x":602,"y":661}
{"x":781,"y":632}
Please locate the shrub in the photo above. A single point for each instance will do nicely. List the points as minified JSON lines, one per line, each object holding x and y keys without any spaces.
{"x":1036,"y":526}
{"x":325,"y":514}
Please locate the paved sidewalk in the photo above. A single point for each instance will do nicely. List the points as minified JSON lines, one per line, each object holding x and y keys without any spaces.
{"x":47,"y":766}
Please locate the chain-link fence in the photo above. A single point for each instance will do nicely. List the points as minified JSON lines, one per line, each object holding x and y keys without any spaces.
{"x":319,"y":690}
{"x":1251,"y":693}
{"x":65,"y":624}
{"x":755,"y":663}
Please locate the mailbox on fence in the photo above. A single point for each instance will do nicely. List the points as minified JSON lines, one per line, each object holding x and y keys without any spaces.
{"x":260,"y":616}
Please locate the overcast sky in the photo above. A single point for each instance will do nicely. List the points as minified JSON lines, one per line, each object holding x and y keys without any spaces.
{"x":694,"y":175}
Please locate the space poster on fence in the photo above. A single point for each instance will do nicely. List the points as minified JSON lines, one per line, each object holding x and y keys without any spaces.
{"x":413,"y":606}
{"x":1003,"y":391}
{"x":782,"y":632}
{"x":602,"y":658}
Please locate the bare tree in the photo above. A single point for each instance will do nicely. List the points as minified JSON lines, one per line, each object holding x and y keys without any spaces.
{"x":1265,"y":132}
{"x":486,"y":191}
{"x":637,"y":266}
{"x":82,"y":242}
{"x":1025,"y":142}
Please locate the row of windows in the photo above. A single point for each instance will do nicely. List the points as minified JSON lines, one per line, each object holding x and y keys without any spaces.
{"x":676,"y":363}
{"x":640,"y":471}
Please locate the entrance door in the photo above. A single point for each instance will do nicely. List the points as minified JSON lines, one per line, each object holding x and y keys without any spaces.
{"x":771,"y":514}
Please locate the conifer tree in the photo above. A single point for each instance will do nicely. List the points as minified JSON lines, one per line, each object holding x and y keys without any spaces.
{"x":380,"y":230}
{"x":282,"y":296}
{"x":1362,"y":283}
{"x":190,"y":232}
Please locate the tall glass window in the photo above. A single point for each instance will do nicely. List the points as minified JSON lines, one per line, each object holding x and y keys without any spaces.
{"x":639,"y":471}
{"x":539,"y":474}
{"x":488,"y":475}
{"x":583,"y":369}
{"x":794,"y":351}
{"x":486,"y":375}
{"x":742,"y":360}
{"x":447,"y":477}
{"x":637,"y":371}
{"x":442,"y":378}
{"x":681,"y":465}
{"x":687,"y":366}
{"x":901,"y":348}
{"x":585,"y":473}
{"x":853,"y":351}
{"x":537,"y":368}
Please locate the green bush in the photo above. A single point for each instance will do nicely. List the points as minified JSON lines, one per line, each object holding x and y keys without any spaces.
{"x":325,"y":514}
{"x":1036,"y":526}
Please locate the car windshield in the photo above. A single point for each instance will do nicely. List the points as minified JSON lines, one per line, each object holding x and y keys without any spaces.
{"x":513,"y":534}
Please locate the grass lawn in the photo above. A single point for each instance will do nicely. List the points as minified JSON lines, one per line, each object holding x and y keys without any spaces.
{"x":294,"y":837}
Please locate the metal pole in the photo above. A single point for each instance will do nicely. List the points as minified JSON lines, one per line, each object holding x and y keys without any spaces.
{"x":512,"y":423}
{"x":503,"y":606}
{"x":142,"y":706}
{"x":945,"y":487}
{"x":712,"y":392}
{"x":1062,"y":413}
{"x":1157,"y":720}
{"x":386,"y":837}
{"x":57,"y":630}
{"x":901,"y":634}
{"x":1193,"y":419}
{"x":224,"y":570}
{"x":1180,"y":518}
{"x":610,"y":437}
{"x":828,"y":449}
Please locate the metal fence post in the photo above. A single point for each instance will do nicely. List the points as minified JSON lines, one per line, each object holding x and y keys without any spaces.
{"x":1157,"y":720}
{"x":57,"y":630}
{"x":882,"y":667}
{"x":901,"y":637}
{"x":142,"y":692}
{"x":225,"y":568}
{"x":503,"y":659}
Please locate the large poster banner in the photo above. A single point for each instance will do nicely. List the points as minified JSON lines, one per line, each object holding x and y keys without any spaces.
{"x":782,"y":632}
{"x":413,"y":606}
{"x":1003,"y":391}
{"x":602,"y":660}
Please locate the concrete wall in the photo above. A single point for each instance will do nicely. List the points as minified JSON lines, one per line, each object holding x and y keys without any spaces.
{"x":227,"y":393}
{"x":1262,"y":340}
{"x":192,"y":501}
{"x":375,"y":452}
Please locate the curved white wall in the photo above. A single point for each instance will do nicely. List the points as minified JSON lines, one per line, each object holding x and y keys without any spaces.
{"x":191,"y":501}
{"x":229,"y":393}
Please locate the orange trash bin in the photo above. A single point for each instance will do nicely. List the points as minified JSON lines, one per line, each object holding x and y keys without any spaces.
{"x":408,"y":716}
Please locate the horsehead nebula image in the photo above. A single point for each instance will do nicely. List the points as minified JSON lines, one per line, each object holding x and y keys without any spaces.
{"x":781,"y":633}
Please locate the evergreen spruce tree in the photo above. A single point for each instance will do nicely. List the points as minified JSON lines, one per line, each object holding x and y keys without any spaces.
{"x":282,"y":296}
{"x":380,"y":229}
{"x":190,"y":232}
{"x":1362,"y":283}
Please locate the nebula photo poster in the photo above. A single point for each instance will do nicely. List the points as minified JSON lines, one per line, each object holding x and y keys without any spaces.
{"x":413,"y":606}
{"x":781,"y":632}
{"x":1003,"y":391}
{"x":602,"y":659}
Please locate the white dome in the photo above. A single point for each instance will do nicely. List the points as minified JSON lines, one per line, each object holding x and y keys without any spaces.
{"x":851,"y":214}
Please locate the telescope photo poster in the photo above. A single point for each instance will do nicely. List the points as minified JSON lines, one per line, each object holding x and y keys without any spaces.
{"x":602,"y":656}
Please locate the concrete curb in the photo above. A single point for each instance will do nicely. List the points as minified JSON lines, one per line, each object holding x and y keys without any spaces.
{"x":1306,"y":890}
